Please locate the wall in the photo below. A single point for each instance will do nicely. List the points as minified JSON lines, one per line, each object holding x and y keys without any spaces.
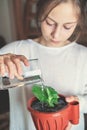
{"x":7,"y":28}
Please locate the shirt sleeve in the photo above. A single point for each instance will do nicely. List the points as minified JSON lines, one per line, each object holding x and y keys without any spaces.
{"x":10,"y":47}
{"x":21,"y":47}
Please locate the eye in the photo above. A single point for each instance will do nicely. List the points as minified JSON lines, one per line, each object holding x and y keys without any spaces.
{"x":50,"y":23}
{"x":67,"y":28}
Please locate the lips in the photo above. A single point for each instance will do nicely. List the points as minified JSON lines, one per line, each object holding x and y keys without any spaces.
{"x":54,"y":41}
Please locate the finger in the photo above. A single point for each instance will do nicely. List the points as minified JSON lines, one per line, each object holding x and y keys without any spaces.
{"x":10,"y":67}
{"x":17,"y":59}
{"x":23,"y":59}
{"x":15,"y":73}
{"x":72,"y":98}
{"x":69,"y":99}
{"x":19,"y":76}
{"x":6,"y":68}
{"x":2,"y":66}
{"x":2,"y":69}
{"x":18,"y":65}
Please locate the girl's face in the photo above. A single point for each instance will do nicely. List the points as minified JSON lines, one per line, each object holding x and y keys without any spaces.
{"x":59,"y":25}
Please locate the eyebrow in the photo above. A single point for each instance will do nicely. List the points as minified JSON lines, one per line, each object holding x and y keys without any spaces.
{"x":65,"y":23}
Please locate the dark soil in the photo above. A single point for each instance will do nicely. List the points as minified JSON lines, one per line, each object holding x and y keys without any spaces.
{"x":37,"y":105}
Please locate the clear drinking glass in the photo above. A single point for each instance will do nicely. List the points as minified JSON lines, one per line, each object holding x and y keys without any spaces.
{"x":31,"y":75}
{"x":33,"y":69}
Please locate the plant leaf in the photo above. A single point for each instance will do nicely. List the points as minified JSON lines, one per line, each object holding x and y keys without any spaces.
{"x":39,"y":92}
{"x":52,"y":96}
{"x":46,"y":95}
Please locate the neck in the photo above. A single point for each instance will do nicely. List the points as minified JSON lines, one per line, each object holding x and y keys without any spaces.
{"x":41,"y":41}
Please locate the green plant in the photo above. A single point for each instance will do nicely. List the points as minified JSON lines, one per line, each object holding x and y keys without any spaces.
{"x":45,"y":94}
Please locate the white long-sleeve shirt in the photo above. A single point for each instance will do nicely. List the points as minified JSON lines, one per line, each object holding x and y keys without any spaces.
{"x":64,"y":68}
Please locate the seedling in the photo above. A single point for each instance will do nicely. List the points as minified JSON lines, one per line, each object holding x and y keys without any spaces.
{"x":45,"y":94}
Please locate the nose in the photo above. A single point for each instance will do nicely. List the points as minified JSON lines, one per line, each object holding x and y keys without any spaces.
{"x":56,"y":33}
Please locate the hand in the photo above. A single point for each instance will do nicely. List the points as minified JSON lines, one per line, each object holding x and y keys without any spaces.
{"x":69,"y":126}
{"x":71,"y":99}
{"x":11,"y":64}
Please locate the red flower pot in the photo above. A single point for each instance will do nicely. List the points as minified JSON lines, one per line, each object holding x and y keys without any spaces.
{"x":55,"y":120}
